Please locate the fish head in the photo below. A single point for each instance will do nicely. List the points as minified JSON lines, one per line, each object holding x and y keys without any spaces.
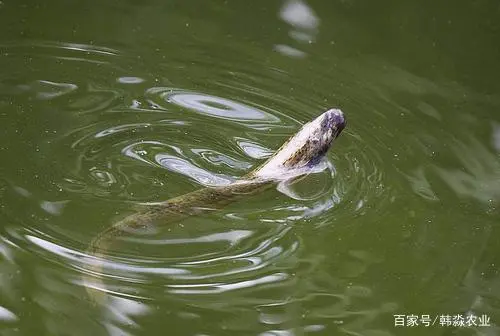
{"x":303,"y":151}
{"x":314,"y":139}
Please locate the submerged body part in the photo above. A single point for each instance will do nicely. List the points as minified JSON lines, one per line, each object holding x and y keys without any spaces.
{"x":296,"y":157}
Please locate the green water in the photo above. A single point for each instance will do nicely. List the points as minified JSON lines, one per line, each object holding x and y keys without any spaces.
{"x":106,"y":104}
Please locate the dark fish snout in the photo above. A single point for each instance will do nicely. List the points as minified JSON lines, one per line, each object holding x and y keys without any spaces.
{"x":334,"y":120}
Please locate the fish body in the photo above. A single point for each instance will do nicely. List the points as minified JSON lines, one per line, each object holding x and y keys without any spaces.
{"x":298,"y":156}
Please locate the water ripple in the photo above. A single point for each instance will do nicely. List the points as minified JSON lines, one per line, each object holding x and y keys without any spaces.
{"x":212,"y":106}
{"x":136,"y":139}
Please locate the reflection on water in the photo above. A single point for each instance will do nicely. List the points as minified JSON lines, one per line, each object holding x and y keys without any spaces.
{"x":304,"y":23}
{"x":496,"y":137}
{"x":402,"y":223}
{"x":48,"y":90}
{"x":479,"y":176}
{"x":7,"y":316}
{"x":184,"y":167}
{"x":215,"y":106}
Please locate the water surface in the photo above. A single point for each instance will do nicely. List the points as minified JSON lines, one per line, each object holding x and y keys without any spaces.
{"x":106,"y":105}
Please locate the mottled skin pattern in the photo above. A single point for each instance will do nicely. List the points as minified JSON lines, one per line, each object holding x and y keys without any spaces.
{"x":310,"y":149}
{"x":175,"y":209}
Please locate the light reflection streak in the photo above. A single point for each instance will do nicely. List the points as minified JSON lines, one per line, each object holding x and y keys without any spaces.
{"x":217,"y":288}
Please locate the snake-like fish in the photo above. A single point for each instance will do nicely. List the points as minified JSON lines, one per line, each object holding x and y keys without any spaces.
{"x":296,"y":157}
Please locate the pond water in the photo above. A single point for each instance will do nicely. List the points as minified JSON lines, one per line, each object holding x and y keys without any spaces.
{"x":105,"y":105}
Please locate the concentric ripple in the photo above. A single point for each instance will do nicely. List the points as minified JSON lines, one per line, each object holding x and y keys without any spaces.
{"x":152,"y":143}
{"x":135,"y":139}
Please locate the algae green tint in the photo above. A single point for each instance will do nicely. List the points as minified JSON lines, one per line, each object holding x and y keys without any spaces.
{"x":299,"y":156}
{"x":107,"y":107}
